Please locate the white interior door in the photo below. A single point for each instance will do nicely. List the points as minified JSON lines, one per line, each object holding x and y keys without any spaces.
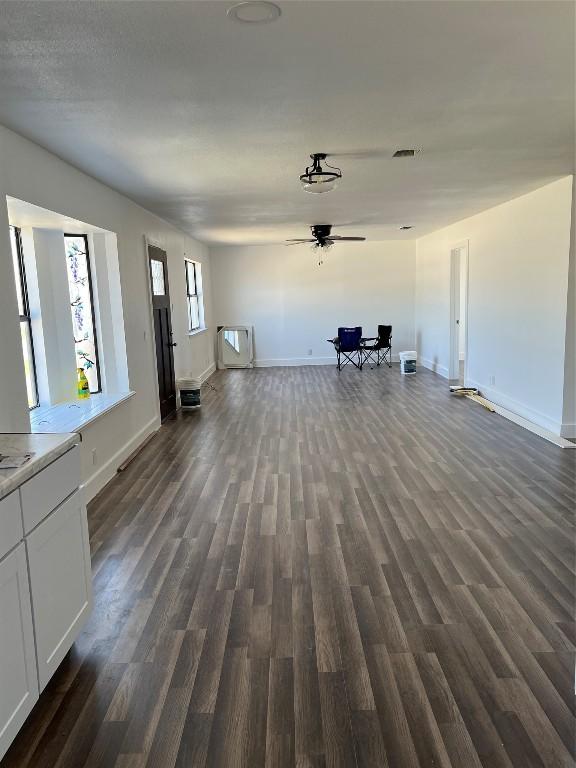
{"x":458,"y":312}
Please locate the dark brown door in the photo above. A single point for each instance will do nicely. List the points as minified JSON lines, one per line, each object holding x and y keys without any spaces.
{"x":162,"y":330}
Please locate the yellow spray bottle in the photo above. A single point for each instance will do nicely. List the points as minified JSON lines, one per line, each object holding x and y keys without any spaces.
{"x":83,"y":386}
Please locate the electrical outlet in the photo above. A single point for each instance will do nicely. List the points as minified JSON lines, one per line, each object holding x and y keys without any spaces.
{"x":94,"y":457}
{"x":309,"y":353}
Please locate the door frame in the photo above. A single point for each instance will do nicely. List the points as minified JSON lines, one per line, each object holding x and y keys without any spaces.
{"x":148,"y":241}
{"x":149,"y":332}
{"x":459,"y":250}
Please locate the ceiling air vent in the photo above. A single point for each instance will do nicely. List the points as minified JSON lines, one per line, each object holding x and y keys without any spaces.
{"x":406,"y":152}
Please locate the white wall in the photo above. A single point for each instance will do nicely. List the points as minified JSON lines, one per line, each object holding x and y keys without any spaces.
{"x":32,"y":174}
{"x":569,"y":415}
{"x":463,"y":301}
{"x":517,"y":298}
{"x":296,"y":305}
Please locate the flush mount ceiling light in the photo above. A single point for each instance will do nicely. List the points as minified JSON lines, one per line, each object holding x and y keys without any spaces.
{"x":254,"y":12}
{"x":319,"y":178}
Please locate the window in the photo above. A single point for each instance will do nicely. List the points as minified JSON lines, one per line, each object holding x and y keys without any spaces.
{"x":193,"y":292}
{"x":25,"y":321}
{"x":157,"y":272}
{"x":82,"y":308}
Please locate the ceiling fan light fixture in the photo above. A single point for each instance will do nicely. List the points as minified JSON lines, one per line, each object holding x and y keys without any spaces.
{"x":323,"y":240}
{"x":322,"y":245}
{"x":320,"y":177}
{"x":320,"y":248}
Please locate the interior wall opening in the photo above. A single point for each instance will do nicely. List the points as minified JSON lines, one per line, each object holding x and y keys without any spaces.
{"x":71,"y":314}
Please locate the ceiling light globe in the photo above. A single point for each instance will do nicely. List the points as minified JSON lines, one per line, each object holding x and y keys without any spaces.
{"x":318,"y":178}
{"x":318,"y":186}
{"x":254,"y":12}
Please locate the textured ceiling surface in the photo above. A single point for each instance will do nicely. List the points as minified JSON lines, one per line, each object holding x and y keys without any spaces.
{"x":209,"y":122}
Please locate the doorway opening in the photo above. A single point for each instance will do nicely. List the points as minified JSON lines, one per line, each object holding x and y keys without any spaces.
{"x":163,"y":342}
{"x":458,"y":312}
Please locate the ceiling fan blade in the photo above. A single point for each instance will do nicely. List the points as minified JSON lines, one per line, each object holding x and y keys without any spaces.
{"x":301,"y":240}
{"x":341,"y":238}
{"x":363,"y":154}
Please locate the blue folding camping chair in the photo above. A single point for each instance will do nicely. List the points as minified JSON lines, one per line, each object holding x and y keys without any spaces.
{"x":348,"y":347}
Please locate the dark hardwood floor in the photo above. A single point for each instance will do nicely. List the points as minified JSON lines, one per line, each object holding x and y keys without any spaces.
{"x":325,"y":570}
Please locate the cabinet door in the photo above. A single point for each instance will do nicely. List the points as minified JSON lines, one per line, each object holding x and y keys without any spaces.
{"x":60,"y":582}
{"x":18,"y":679}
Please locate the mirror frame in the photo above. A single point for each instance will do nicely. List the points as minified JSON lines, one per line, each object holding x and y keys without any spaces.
{"x":248,"y":329}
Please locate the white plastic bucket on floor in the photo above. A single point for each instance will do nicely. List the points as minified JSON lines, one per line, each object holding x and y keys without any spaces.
{"x":408,"y":363}
{"x":189,"y":390}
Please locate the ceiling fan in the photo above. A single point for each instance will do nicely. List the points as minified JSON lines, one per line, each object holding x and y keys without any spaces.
{"x":322,"y":239}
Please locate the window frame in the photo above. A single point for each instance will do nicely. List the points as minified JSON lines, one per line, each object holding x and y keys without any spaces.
{"x":194,"y":294}
{"x":84,"y":236}
{"x":26,"y":317}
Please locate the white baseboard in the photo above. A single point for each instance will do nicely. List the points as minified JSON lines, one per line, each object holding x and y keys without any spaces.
{"x":285,"y":362}
{"x":552,"y":437}
{"x":517,"y":408}
{"x":433,"y":366}
{"x":525,"y":417}
{"x":275,"y":362}
{"x":108,"y":470}
{"x":205,"y":375}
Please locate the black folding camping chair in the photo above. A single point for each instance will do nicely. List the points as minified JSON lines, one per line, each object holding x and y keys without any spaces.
{"x":381,"y":350}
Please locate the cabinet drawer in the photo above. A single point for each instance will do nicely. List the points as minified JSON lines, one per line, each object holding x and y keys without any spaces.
{"x":42,"y":493}
{"x":10,"y":523}
{"x":60,"y":582}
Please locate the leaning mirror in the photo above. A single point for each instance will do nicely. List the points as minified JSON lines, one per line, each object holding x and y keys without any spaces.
{"x":235,"y":347}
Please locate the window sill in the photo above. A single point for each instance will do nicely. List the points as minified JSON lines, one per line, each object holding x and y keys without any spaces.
{"x":197,"y":331}
{"x":74,"y":416}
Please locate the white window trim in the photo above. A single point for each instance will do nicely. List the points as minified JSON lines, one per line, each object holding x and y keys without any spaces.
{"x":199,"y":294}
{"x":203,"y":329}
{"x":45,"y":264}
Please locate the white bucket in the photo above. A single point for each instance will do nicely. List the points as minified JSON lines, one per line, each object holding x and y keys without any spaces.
{"x":408,"y":363}
{"x":189,"y":393}
{"x":189,"y":383}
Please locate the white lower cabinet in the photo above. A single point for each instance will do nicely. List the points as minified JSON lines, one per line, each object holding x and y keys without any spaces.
{"x":60,"y":582}
{"x":45,"y":584}
{"x":18,"y":678}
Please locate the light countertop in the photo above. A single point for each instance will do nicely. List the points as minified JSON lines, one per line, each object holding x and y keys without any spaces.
{"x":74,"y":416}
{"x":46,"y":449}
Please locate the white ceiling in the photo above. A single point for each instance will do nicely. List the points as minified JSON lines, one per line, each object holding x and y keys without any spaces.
{"x":209,"y":122}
